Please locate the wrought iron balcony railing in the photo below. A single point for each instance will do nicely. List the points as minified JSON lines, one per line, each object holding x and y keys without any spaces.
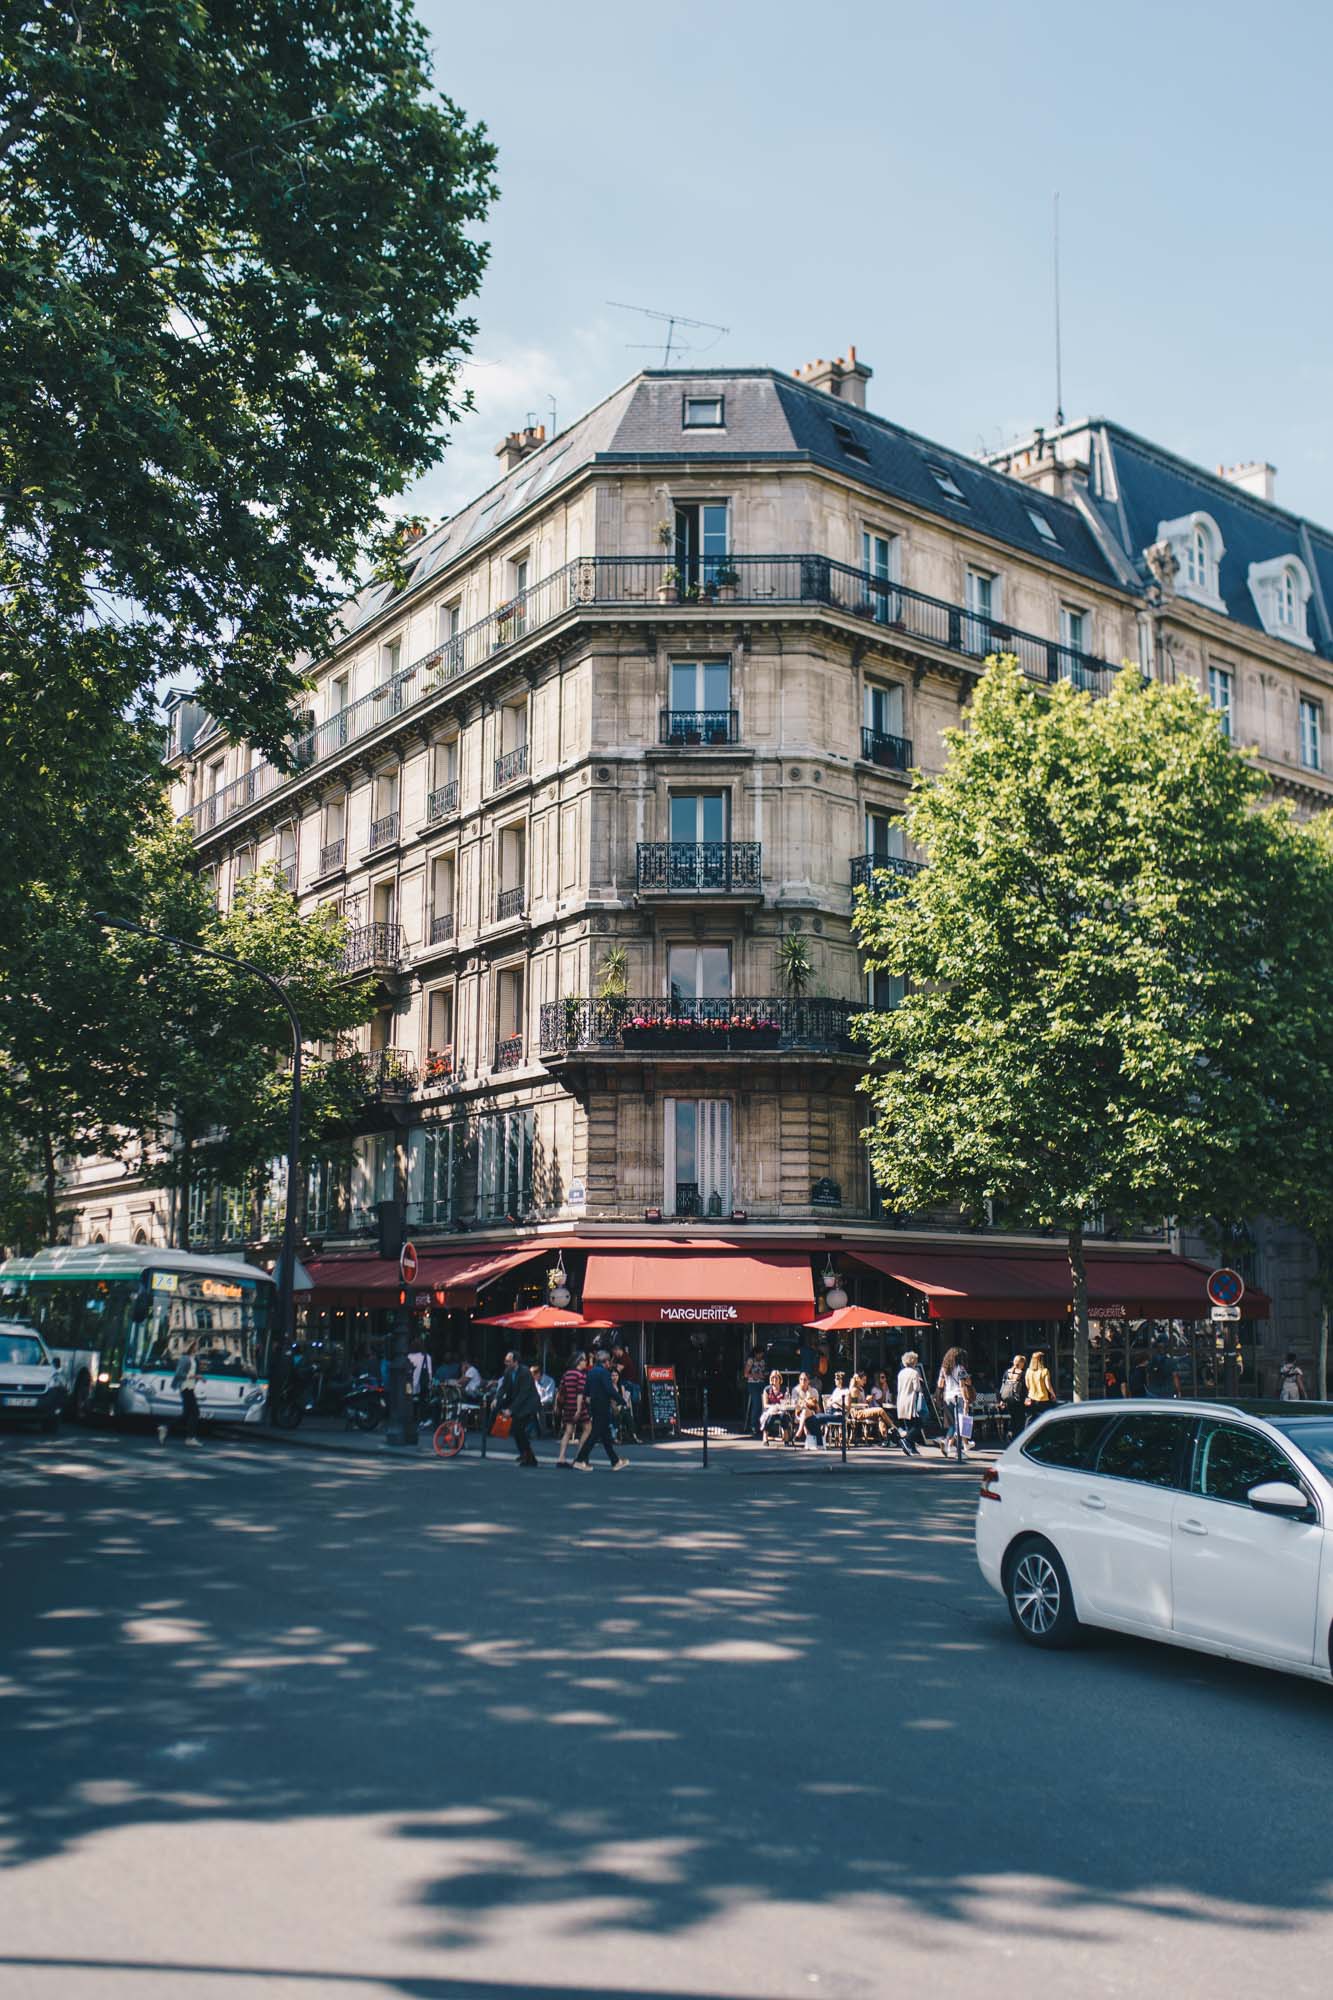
{"x":383,"y":832}
{"x":442,"y":801}
{"x":442,"y":927}
{"x":513,"y":764}
{"x":698,"y":725}
{"x":387,"y":1072}
{"x":372,"y":948}
{"x":331,"y":856}
{"x":442,"y":1070}
{"x":718,"y":867}
{"x":892,"y":753}
{"x":508,"y":1053}
{"x":287,"y":869}
{"x":739,"y":1024}
{"x":592,"y":582}
{"x":883,"y":874}
{"x":509,"y":903}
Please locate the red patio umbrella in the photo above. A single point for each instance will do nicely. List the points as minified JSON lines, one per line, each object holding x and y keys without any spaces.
{"x":855,"y":1319}
{"x":540,"y":1319}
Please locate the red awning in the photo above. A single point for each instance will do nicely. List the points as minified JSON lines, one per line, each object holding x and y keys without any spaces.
{"x":1035,"y":1284}
{"x":704,"y":1288}
{"x":453,"y":1280}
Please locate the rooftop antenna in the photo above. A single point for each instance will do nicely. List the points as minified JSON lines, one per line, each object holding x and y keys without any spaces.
{"x":673,"y":320}
{"x":1059,"y":372}
{"x":554,"y":426}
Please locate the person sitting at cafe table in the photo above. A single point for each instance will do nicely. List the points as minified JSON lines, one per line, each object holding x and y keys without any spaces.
{"x":809,"y":1425}
{"x":775,"y":1407}
{"x":868,"y":1410}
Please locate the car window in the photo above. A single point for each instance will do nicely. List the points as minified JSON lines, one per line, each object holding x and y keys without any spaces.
{"x":1070,"y":1442}
{"x":1230,"y":1459}
{"x":1147,"y":1448}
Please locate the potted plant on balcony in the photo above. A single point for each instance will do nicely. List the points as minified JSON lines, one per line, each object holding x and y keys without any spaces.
{"x":668,"y":589}
{"x":794,"y":963}
{"x":439,"y":1068}
{"x":754,"y":1031}
{"x":613,"y":981}
{"x":727,"y":578}
{"x":506,"y":623}
{"x":573,"y":1023}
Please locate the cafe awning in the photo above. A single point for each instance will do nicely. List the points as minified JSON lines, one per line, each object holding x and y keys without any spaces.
{"x":718,"y":1288}
{"x":453,"y":1281}
{"x":1035,"y":1284}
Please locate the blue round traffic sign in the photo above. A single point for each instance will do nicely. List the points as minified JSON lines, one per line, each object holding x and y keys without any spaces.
{"x":1226,"y":1288}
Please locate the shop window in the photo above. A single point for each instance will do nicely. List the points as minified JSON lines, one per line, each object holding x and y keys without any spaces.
{"x":430,"y":1175}
{"x":504,"y":1165}
{"x":697,"y":1157}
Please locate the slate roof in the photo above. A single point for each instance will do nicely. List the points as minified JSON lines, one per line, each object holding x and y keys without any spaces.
{"x":1143,"y":485}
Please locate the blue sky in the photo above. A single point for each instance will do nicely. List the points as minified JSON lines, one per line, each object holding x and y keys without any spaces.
{"x":831,"y":174}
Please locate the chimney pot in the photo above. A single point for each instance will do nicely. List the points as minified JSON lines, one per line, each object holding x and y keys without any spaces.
{"x":845,"y":379}
{"x":1256,"y":476}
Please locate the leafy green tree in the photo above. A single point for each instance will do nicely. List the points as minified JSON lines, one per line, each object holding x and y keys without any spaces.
{"x":210,"y":1060}
{"x":237,"y":241}
{"x":1106,"y":996}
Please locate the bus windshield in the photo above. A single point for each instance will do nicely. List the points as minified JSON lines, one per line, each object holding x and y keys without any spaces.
{"x":223,"y":1321}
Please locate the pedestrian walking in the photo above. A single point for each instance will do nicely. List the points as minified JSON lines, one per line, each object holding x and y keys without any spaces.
{"x":1292,"y":1380}
{"x":186,"y":1381}
{"x":1039,"y":1389}
{"x":418,"y":1360}
{"x":601,"y":1391}
{"x":1163,"y":1369}
{"x":518,"y":1395}
{"x":955,"y":1389}
{"x":571,"y":1403}
{"x":754,"y":1391}
{"x":912,"y":1399}
{"x":1012,"y":1397}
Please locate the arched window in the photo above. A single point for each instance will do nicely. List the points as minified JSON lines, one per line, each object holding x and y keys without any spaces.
{"x":1199,"y":559}
{"x":1286,"y":597}
{"x":141,"y":1235}
{"x":1195,"y":541}
{"x":1281,"y":590}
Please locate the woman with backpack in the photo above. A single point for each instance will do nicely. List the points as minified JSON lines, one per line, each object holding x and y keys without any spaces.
{"x":955,"y":1390}
{"x":1013,"y":1394}
{"x":1292,"y":1380}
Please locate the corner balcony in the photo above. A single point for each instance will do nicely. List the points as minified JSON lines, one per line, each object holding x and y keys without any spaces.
{"x":738,"y":1026}
{"x":372,"y":948}
{"x":700,"y":868}
{"x":691,"y":728}
{"x":883,"y":874}
{"x":891,"y":753}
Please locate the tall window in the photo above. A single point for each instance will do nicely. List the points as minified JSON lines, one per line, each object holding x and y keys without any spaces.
{"x":448,"y":626}
{"x":440,"y":1034}
{"x":430,"y":1175}
{"x":1221,"y":687}
{"x":374,"y":1175}
{"x":518,"y":584}
{"x":884,"y":991}
{"x":884,"y":836}
{"x":321,"y":1196}
{"x":701,"y":541}
{"x":1312,"y":734}
{"x":697,"y":1156}
{"x":504,"y":1164}
{"x":391,"y":659}
{"x":697,"y":817}
{"x":201,"y":1212}
{"x":287,"y":853}
{"x":1199,"y":559}
{"x":509,"y":1016}
{"x":981,"y":598}
{"x":699,"y":971}
{"x":1073,"y":629}
{"x":273,"y":1205}
{"x":511,"y":864}
{"x":879,"y":560}
{"x":441,"y":898}
{"x":233,"y":1214}
{"x":884,"y":708}
{"x":384,"y":902}
{"x":1287,"y":598}
{"x":701,"y":699}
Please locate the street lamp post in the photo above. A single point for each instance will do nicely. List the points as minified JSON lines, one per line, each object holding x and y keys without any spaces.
{"x":287,"y":1262}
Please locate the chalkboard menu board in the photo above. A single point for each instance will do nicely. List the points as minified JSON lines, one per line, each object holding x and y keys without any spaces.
{"x":663,"y":1402}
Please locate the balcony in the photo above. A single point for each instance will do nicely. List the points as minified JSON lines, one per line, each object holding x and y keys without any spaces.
{"x":509,"y":903}
{"x":331,"y":856}
{"x":442,"y":928}
{"x":287,"y":870}
{"x":688,"y":727}
{"x":383,"y":833}
{"x":443,"y":1071}
{"x":738,"y":1025}
{"x":442,"y":802}
{"x":891,"y":753}
{"x":883,"y":874}
{"x":703,"y":867}
{"x":372,"y":948}
{"x":508,"y":1053}
{"x":387,"y":1074}
{"x":590,"y":583}
{"x":511,"y":766}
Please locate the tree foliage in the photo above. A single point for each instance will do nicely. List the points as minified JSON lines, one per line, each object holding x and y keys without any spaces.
{"x":236,"y":245}
{"x":1109,"y":993}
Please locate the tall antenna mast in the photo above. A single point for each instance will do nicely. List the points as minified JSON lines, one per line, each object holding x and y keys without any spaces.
{"x":673,"y":320}
{"x":1059,"y":369}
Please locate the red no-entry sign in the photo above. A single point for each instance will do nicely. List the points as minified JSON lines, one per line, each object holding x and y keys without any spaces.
{"x":407,"y":1263}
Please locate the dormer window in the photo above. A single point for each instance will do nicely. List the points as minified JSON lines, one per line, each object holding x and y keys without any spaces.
{"x":1281,"y":593}
{"x":1196,"y":543}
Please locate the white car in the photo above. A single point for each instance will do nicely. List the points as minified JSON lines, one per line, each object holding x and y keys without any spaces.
{"x":32,"y":1382}
{"x":1203,"y":1524}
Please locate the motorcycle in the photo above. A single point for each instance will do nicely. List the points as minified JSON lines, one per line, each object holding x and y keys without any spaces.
{"x":366,"y":1405}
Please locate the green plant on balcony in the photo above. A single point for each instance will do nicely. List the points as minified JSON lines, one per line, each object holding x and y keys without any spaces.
{"x":668,"y":585}
{"x":794,"y":963}
{"x":572,"y":1012}
{"x":613,"y":977}
{"x":726,"y":579}
{"x":506,"y":622}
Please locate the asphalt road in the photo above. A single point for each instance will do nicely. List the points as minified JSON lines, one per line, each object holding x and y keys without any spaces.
{"x":280,"y":1724}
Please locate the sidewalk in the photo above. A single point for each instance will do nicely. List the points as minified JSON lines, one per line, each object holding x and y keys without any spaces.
{"x":727,"y":1452}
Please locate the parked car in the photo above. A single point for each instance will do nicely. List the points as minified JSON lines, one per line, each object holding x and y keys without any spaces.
{"x":32,"y":1383}
{"x":1203,"y":1524}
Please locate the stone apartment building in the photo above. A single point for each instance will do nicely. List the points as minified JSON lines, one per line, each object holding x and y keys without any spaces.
{"x":645,"y":713}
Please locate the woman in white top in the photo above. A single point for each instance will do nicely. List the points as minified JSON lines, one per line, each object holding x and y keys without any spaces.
{"x":912,"y":1401}
{"x":955,"y":1386}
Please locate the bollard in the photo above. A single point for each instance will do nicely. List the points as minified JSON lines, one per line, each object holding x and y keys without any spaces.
{"x":705,"y":1463}
{"x":485,"y":1422}
{"x":844,"y":1433}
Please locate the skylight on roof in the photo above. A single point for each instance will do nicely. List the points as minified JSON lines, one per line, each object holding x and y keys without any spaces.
{"x":1043,"y":527}
{"x":946,"y":482}
{"x":850,"y":443}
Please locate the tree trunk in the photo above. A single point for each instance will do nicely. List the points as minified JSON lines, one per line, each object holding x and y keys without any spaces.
{"x":50,"y":1182}
{"x":184,"y":1176}
{"x":1078,"y":1271}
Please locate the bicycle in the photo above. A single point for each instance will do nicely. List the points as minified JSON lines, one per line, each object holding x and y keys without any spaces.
{"x":450,"y":1434}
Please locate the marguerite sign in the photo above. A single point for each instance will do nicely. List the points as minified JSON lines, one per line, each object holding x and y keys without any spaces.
{"x":698,"y":1312}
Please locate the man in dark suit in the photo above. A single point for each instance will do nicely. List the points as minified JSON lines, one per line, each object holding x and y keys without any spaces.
{"x":518,"y":1395}
{"x":600,"y":1392}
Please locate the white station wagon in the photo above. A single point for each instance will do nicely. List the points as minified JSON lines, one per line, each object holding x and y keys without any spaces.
{"x":32,"y":1382}
{"x":1203,"y":1524}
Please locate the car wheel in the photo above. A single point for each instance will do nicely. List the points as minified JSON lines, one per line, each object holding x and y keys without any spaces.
{"x":1038,"y":1593}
